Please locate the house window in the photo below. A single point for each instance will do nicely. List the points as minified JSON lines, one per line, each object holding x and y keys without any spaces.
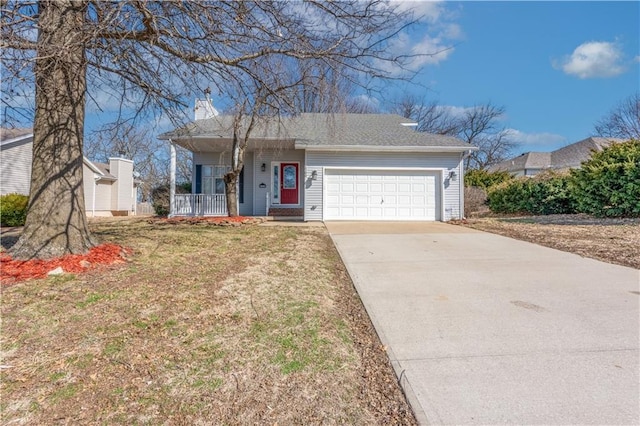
{"x":276,"y":181}
{"x":210,"y":180}
{"x":213,"y":179}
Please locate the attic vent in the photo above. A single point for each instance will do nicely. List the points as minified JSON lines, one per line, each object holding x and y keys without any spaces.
{"x":409,"y":124}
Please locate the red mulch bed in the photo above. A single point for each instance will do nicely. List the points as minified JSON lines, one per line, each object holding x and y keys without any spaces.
{"x":13,"y":271}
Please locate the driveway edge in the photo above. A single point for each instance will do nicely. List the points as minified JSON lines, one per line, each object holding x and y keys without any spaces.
{"x":405,"y":385}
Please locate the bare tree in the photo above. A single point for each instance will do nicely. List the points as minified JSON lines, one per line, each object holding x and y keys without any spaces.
{"x":152,"y":55}
{"x":150,"y":156}
{"x":623,"y":121}
{"x":430,"y":116}
{"x":478,"y":125}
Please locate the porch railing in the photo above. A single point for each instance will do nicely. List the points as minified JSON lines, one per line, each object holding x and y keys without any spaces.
{"x":199,"y":205}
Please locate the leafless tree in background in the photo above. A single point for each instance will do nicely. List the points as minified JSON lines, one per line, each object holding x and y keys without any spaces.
{"x":478,"y":125}
{"x":623,"y":121}
{"x":155,"y":55}
{"x":150,"y":156}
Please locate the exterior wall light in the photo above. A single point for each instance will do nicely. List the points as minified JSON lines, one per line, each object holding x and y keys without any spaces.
{"x":453,"y":175}
{"x":314,"y":175}
{"x":263,"y":167}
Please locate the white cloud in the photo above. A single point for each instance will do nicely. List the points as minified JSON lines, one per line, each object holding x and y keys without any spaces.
{"x":429,"y":42}
{"x":594,"y":59}
{"x":541,"y":140}
{"x":431,"y":11}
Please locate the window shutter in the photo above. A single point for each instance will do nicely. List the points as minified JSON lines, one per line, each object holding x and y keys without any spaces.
{"x":198,"y":179}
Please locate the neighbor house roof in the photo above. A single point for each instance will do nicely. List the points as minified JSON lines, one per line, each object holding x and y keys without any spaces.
{"x":567,"y":157}
{"x":13,"y":135}
{"x":328,"y":131}
{"x":101,"y":169}
{"x":573,"y":155}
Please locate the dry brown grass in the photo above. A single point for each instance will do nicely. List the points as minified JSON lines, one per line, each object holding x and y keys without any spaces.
{"x":205,"y":325}
{"x":610,"y":240}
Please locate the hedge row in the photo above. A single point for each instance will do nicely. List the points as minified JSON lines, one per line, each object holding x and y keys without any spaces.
{"x":606,"y":185}
{"x":544,"y":194}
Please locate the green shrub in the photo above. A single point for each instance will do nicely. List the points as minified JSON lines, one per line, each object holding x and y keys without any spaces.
{"x":13,"y":209}
{"x":160,"y":196}
{"x":546,"y":193}
{"x":608,"y":184}
{"x":485,"y":179}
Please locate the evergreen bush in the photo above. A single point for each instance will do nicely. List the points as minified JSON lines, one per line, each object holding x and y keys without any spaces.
{"x":13,"y":209}
{"x":485,"y":179}
{"x":546,"y":193}
{"x":608,"y":184}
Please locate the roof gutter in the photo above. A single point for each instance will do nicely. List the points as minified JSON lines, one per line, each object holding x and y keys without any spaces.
{"x":382,"y":148}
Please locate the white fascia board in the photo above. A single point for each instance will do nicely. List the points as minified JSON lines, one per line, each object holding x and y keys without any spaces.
{"x":387,"y":148}
{"x":23,"y":138}
{"x":92,"y":166}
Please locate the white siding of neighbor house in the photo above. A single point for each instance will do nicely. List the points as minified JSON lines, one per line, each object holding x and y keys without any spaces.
{"x":224,"y":159}
{"x":15,"y":167}
{"x":446,"y":162}
{"x":88,"y":186}
{"x":104,"y":191}
{"x":101,"y":204}
{"x":122,"y":190}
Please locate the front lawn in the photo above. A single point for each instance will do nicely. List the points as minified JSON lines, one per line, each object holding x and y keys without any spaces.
{"x":203,"y":325}
{"x":609,"y":240}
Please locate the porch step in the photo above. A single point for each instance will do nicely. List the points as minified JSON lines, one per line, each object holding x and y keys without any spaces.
{"x":285,"y":218}
{"x":288,"y":213}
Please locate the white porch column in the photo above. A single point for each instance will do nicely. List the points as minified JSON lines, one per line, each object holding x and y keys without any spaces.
{"x":172,"y":184}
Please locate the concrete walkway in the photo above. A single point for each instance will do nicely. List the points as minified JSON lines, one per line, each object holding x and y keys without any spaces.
{"x":484,"y":329}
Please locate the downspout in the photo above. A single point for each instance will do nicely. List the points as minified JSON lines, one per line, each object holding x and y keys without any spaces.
{"x":463,"y":156}
{"x":172,"y":178}
{"x":93,"y":201}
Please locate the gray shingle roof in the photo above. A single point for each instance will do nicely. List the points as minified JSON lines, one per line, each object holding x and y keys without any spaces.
{"x":528,"y":160}
{"x":576,"y":153}
{"x":104,"y":169}
{"x":326,"y":130}
{"x":564,"y":158}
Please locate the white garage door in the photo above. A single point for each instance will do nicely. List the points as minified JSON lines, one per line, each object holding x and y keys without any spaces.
{"x":381,"y":195}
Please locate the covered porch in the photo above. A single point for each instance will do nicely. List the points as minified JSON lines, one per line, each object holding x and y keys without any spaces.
{"x":271,"y":182}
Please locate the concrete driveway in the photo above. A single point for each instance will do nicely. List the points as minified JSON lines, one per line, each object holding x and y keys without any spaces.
{"x":484,"y":329}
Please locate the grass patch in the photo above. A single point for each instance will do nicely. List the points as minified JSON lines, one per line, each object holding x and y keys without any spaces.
{"x":205,"y":325}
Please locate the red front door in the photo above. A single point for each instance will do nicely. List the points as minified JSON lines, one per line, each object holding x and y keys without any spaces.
{"x":289,"y":183}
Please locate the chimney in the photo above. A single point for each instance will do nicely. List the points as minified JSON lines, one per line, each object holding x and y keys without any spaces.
{"x":204,"y":107}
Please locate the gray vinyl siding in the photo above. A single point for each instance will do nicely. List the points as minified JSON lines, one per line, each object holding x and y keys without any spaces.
{"x":15,"y":167}
{"x":316,"y":161}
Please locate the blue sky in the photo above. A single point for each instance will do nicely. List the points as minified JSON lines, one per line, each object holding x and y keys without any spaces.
{"x":557,"y":67}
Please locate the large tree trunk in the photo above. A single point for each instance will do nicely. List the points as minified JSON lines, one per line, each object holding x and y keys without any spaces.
{"x":56,"y":223}
{"x":231,"y":191}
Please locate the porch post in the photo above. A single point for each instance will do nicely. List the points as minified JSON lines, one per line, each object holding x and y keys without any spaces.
{"x":172,"y":179}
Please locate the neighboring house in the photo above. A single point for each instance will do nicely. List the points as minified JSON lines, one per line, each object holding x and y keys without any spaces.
{"x":109,"y":189}
{"x":326,"y":167}
{"x":563,"y":159}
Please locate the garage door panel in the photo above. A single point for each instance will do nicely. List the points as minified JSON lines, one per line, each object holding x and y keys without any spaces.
{"x":380,"y":195}
{"x":404,"y":200}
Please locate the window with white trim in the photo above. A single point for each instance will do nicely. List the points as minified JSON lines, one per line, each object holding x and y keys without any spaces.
{"x":213,"y":179}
